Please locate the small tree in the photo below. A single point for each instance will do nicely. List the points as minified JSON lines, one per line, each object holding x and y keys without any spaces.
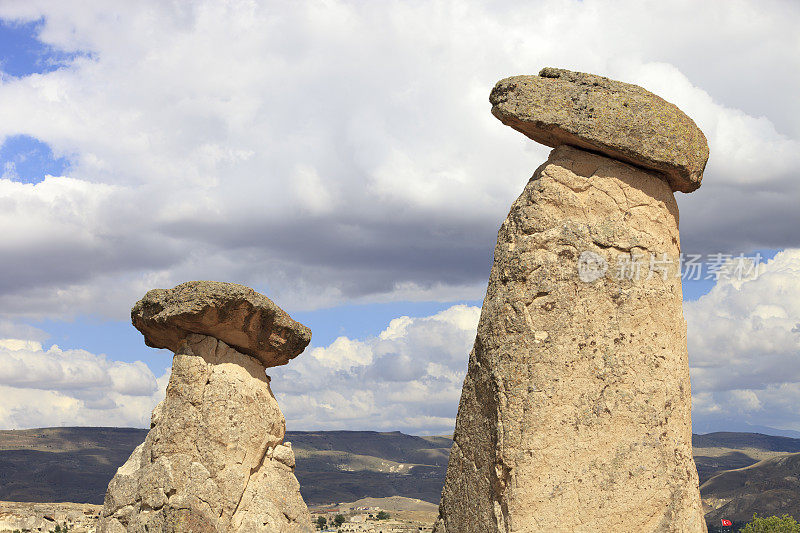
{"x":338,"y":520}
{"x":772,"y":524}
{"x":322,"y":522}
{"x":382,"y":515}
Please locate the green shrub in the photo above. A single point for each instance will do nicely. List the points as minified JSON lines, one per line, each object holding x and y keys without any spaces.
{"x":772,"y":524}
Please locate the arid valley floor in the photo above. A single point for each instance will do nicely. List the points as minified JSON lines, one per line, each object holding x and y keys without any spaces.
{"x":740,"y":473}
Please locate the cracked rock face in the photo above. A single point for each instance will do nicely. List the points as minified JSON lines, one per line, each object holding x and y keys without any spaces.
{"x":575,"y":412}
{"x":237,"y":315}
{"x":214,"y":460}
{"x":620,"y":120}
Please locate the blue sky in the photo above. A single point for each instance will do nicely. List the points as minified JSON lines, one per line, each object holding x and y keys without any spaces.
{"x":342,"y":159}
{"x":24,"y":53}
{"x":30,"y":160}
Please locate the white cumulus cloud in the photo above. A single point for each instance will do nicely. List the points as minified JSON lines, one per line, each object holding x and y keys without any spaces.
{"x":54,"y":387}
{"x":744,"y":346}
{"x":408,"y":377}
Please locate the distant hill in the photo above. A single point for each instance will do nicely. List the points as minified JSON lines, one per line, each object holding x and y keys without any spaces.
{"x":768,"y":487}
{"x":738,"y":426}
{"x":63,"y":464}
{"x":343,"y":466}
{"x":76,"y":464}
{"x":715,"y":452}
{"x":740,"y":441}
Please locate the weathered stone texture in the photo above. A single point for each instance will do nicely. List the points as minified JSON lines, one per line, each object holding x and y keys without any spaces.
{"x":214,"y":460}
{"x":237,"y":315}
{"x":621,"y":120}
{"x":575,"y":412}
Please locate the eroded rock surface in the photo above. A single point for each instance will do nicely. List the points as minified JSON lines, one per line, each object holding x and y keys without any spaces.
{"x":621,"y":120}
{"x":575,"y":412}
{"x":214,"y":460}
{"x":237,"y":315}
{"x":35,"y":516}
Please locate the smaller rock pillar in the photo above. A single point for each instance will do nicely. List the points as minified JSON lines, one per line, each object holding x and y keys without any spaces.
{"x":214,"y":459}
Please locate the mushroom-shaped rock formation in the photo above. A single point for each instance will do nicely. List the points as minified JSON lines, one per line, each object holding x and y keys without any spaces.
{"x":237,"y":315}
{"x":575,"y":413}
{"x":620,"y":120}
{"x":214,"y":459}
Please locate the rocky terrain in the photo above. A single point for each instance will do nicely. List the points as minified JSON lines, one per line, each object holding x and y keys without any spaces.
{"x":771,"y":486}
{"x":77,"y":518}
{"x":407,"y":514}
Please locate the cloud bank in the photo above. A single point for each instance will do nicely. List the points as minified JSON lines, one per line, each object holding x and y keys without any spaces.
{"x":744,"y":347}
{"x":344,"y":151}
{"x":744,"y":354}
{"x":407,"y":378}
{"x":55,"y":387}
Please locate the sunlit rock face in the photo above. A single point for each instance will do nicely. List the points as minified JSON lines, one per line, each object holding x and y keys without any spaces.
{"x":214,"y":459}
{"x":575,"y":414}
{"x":620,"y":120}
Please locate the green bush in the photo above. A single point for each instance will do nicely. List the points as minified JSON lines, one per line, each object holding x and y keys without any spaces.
{"x":322,"y":522}
{"x":338,"y":520}
{"x":772,"y":524}
{"x":382,"y":515}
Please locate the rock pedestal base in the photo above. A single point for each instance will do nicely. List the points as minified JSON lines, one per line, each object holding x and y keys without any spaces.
{"x":214,"y":460}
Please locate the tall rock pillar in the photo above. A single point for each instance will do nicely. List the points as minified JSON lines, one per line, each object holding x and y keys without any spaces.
{"x":214,"y":459}
{"x":575,"y":414}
